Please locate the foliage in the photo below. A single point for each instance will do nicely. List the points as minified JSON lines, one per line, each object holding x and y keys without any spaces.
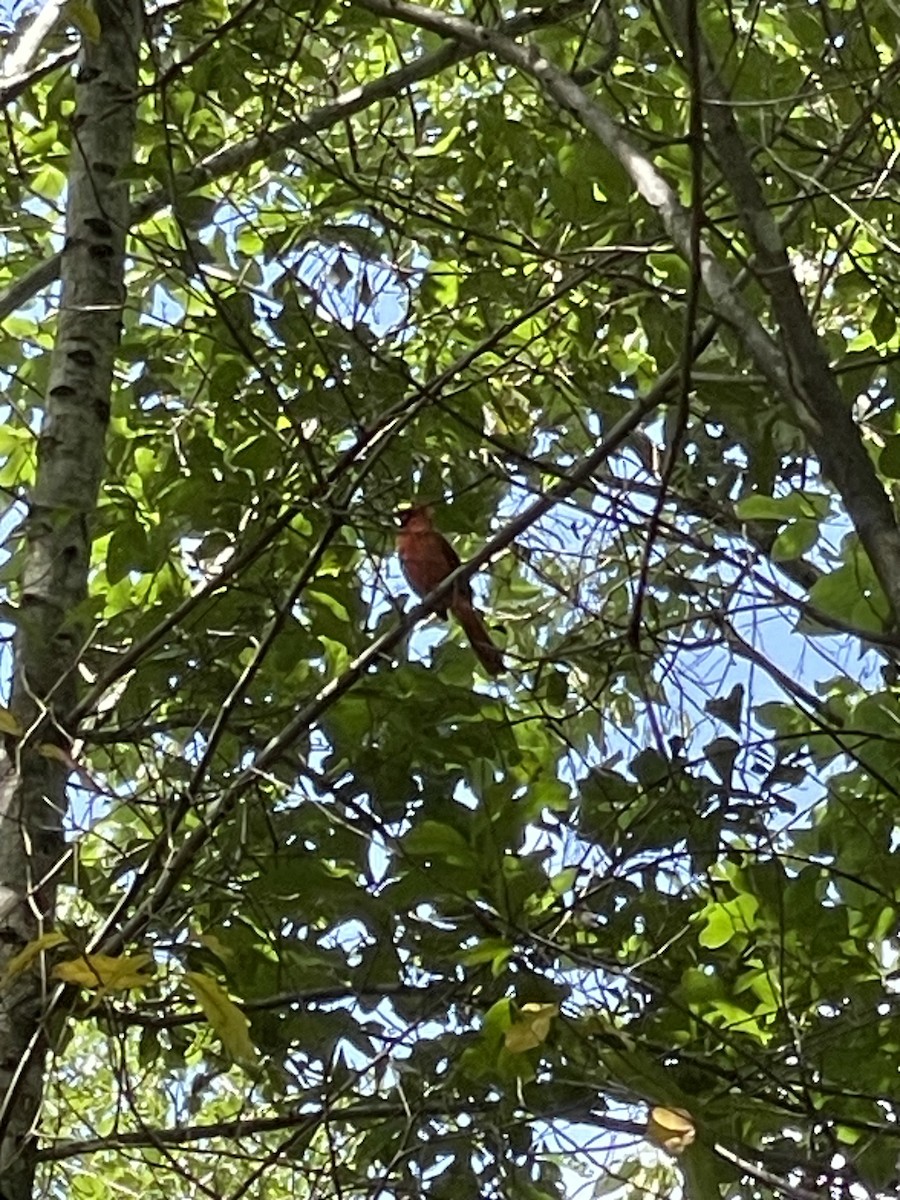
{"x":414,"y":933}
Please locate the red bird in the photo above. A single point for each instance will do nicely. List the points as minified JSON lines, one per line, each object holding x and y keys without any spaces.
{"x":427,"y":558}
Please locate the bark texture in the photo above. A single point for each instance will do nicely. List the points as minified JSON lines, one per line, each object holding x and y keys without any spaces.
{"x":56,"y":557}
{"x":811,"y":389}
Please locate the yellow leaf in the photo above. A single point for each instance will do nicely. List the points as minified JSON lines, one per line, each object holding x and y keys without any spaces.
{"x":224,"y":1015}
{"x":10,"y":723}
{"x":61,"y":754}
{"x":530,"y":1028}
{"x":19,"y":962}
{"x":671,"y":1128}
{"x":48,"y":750}
{"x":85,"y":20}
{"x":102,"y":972}
{"x":215,"y":944}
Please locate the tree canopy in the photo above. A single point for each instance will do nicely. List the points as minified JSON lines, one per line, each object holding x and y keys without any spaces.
{"x":294,"y":899}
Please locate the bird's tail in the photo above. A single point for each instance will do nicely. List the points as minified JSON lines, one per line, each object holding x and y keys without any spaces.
{"x":477,"y":632}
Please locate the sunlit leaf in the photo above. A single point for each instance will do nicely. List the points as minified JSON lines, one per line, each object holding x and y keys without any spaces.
{"x":530,"y":1027}
{"x":223,"y":1015}
{"x":671,"y":1128}
{"x":21,"y":961}
{"x":106,"y":973}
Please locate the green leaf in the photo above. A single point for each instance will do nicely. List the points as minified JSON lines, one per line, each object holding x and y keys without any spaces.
{"x":727,"y":920}
{"x":795,"y":540}
{"x":853,"y":594}
{"x":128,"y":550}
{"x":81,"y":13}
{"x":443,"y":843}
{"x":797,"y":505}
{"x":729,"y":708}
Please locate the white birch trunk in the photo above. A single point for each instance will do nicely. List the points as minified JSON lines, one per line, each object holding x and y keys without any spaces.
{"x":57,"y":555}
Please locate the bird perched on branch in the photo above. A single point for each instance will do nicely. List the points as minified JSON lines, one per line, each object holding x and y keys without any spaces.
{"x":427,"y":558}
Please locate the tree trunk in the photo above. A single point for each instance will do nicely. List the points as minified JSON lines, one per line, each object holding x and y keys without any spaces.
{"x":56,"y":557}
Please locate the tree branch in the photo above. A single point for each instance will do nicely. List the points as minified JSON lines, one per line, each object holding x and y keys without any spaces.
{"x":826,"y":415}
{"x":235,"y":159}
{"x":803,"y":379}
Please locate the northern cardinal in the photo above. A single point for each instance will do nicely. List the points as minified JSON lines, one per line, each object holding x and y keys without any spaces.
{"x":427,"y":558}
